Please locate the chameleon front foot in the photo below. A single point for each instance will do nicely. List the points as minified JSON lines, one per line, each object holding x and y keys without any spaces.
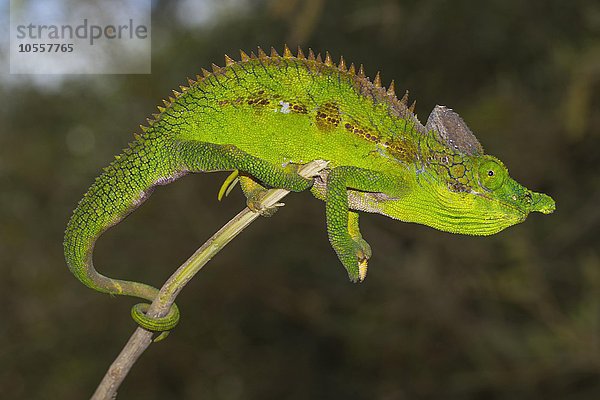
{"x":155,"y":324}
{"x":354,"y":255}
{"x":357,"y":259}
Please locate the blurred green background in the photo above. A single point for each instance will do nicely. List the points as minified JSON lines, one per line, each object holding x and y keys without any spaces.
{"x":512,"y":316}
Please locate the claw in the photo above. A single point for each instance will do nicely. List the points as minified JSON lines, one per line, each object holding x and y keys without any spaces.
{"x":228,"y":185}
{"x":362,"y":269}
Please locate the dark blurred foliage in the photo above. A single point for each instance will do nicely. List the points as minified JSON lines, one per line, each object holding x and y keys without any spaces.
{"x":512,"y":316}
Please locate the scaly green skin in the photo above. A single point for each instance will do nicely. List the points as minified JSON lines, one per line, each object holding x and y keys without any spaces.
{"x":264,"y":116}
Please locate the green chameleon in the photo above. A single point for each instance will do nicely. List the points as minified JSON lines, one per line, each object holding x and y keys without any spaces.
{"x":266,"y":115}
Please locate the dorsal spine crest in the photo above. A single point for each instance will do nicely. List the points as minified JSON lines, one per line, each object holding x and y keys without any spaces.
{"x":363,"y":82}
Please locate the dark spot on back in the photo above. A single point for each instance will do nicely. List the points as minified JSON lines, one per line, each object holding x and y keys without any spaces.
{"x":258,"y":99}
{"x":328,"y":116}
{"x":356,"y":129}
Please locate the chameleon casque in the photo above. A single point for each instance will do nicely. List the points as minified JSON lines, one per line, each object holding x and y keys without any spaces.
{"x":267,"y":114}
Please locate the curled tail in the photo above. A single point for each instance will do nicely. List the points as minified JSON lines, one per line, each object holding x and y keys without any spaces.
{"x":123,"y":186}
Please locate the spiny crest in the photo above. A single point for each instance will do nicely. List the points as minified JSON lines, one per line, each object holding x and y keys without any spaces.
{"x":287,"y":53}
{"x":377,"y":80}
{"x":328,"y":61}
{"x":404,"y":99}
{"x":228,"y":61}
{"x":401,"y":104}
{"x":412,"y":107}
{"x":261,"y":54}
{"x":243,"y":56}
{"x":391,"y":90}
{"x":342,"y":64}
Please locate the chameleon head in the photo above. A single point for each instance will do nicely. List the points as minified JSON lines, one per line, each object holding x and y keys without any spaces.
{"x":495,"y":184}
{"x":461,"y":190}
{"x":489,"y":203}
{"x":497,"y":199}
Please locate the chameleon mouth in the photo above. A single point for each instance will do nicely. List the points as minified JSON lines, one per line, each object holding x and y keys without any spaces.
{"x":511,"y":212}
{"x":515,"y":213}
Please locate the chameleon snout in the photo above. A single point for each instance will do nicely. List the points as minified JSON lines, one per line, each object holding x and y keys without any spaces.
{"x":542,"y":203}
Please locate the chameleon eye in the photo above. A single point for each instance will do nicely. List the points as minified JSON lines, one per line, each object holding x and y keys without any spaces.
{"x":491,"y":174}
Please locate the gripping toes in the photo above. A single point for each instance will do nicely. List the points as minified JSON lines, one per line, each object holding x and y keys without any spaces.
{"x":363,"y":253}
{"x":354,"y":255}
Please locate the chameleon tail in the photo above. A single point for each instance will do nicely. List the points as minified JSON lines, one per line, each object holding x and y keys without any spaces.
{"x":123,"y":186}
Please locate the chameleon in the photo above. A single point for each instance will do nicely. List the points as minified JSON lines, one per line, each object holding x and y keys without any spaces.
{"x":267,"y":114}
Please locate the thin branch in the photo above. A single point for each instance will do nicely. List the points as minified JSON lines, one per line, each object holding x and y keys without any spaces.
{"x":141,"y":339}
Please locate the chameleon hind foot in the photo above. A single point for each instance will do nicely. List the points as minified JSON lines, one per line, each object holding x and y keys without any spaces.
{"x":255,"y":193}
